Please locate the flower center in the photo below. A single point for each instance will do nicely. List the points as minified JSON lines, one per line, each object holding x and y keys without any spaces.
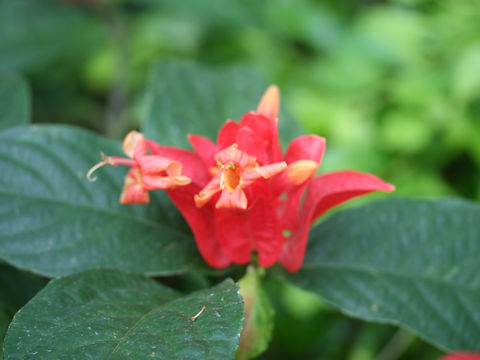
{"x":231,"y":178}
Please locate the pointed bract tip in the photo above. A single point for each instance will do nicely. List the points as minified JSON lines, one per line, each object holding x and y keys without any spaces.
{"x":269,"y":105}
{"x":299,"y":171}
{"x":201,"y":200}
{"x":180,"y":180}
{"x":389,"y":187}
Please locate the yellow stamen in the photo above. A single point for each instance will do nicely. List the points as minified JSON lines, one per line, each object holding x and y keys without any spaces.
{"x":230,"y":179}
{"x":106,"y":161}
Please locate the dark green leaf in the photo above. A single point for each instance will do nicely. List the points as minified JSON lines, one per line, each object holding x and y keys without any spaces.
{"x":14,"y":101}
{"x":408,"y":262}
{"x":110,"y":315}
{"x":53,"y":221}
{"x":188,"y":99}
{"x":16,"y":288}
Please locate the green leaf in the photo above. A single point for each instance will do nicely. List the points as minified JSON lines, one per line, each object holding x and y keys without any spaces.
{"x":212,"y":12}
{"x":187,"y":99}
{"x":110,"y":315}
{"x":408,"y":262}
{"x":14,"y":101}
{"x":16,"y":288}
{"x":259,"y":314}
{"x":54,"y":222}
{"x":34,"y":34}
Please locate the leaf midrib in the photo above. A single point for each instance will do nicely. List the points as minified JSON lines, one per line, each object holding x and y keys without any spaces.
{"x":134,"y":326}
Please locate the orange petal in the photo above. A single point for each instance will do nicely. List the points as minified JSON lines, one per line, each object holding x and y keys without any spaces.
{"x":232,"y":200}
{"x":134,"y":144}
{"x":265,"y":172}
{"x":238,"y":157}
{"x":164,"y":182}
{"x":208,"y":191}
{"x":133,"y":191}
{"x":269,"y":105}
{"x":299,"y":171}
{"x":155,"y":164}
{"x":174,"y":168}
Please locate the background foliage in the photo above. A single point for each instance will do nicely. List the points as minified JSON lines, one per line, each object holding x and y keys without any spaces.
{"x":393,"y":85}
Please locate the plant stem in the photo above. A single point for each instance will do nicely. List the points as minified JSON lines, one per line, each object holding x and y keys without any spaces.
{"x":396,"y":346}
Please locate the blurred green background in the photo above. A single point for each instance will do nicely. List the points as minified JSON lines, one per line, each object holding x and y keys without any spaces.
{"x":394,"y":86}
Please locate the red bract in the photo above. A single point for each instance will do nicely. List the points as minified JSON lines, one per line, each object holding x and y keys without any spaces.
{"x":247,"y":196}
{"x":461,"y":356}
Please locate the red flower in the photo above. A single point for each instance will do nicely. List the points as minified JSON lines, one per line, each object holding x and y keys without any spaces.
{"x":461,"y":356}
{"x":246,"y":196}
{"x":237,"y":170}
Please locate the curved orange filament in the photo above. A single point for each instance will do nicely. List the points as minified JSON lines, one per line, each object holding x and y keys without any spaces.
{"x":108,"y":161}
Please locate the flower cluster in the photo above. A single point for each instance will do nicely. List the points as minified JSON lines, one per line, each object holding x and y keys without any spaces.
{"x":242,"y":194}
